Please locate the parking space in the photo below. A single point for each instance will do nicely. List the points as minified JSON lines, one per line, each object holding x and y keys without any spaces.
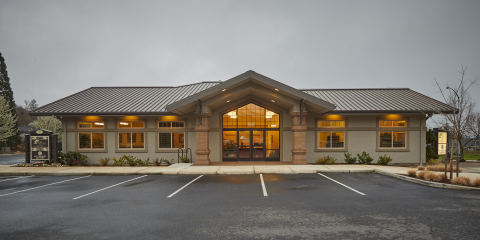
{"x":229,"y":206}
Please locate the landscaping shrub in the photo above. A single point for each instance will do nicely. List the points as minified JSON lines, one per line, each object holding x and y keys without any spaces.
{"x":168,"y":163}
{"x":325,"y":160}
{"x":61,"y":157}
{"x":184,"y":159}
{"x":118,"y":162}
{"x":439,"y":177}
{"x":433,"y":161}
{"x":421,"y":175}
{"x":476,"y":183}
{"x":104,"y":161}
{"x":430,"y":176}
{"x":130,"y":160}
{"x":384,"y":160}
{"x":421,"y":168}
{"x":364,"y":158}
{"x":75,"y":159}
{"x":157,"y":161}
{"x":464,"y":181}
{"x":412,"y":173}
{"x":431,"y":168}
{"x":349,"y":159}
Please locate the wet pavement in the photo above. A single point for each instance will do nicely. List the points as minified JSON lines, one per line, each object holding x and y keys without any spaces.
{"x":306,"y":206}
{"x":11,"y":159}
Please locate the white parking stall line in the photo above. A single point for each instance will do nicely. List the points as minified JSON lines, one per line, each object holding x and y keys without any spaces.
{"x":43,"y":186}
{"x":109,"y":187}
{"x":171,"y":195}
{"x":15,"y":178}
{"x":343,"y":185}
{"x":263,"y":186}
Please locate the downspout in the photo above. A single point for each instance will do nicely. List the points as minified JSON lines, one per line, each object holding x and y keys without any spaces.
{"x":421,"y":140}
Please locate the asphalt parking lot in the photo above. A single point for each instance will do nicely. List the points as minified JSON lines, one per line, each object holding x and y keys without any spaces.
{"x":306,"y":206}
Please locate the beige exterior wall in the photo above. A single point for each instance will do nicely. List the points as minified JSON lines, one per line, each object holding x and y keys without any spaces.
{"x":111,"y":150}
{"x":361,"y":134}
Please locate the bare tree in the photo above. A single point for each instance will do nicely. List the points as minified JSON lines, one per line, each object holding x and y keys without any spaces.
{"x":463,"y":122}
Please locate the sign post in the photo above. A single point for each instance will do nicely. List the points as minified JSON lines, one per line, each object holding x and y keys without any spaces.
{"x":41,"y":145}
{"x":442,"y":143}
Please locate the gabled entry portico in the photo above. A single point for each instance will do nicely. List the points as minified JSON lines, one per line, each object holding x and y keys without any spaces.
{"x":240,"y":116}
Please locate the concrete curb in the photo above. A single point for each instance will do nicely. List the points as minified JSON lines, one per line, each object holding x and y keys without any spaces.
{"x":427,"y":183}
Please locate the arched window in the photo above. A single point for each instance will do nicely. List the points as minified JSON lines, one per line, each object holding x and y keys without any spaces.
{"x":251,"y":116}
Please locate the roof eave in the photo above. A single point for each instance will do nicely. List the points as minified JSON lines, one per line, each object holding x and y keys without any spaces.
{"x":101,"y":114}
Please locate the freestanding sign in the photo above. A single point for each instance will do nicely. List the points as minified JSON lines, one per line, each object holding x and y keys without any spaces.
{"x":41,"y":145}
{"x":442,"y":143}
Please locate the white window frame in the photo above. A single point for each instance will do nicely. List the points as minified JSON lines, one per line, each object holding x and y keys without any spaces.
{"x":131,"y":125}
{"x":171,"y":139}
{"x":171,"y":125}
{"x":344,"y":140}
{"x":391,"y":145}
{"x":91,"y":127}
{"x":318,"y":121}
{"x":131,"y":141}
{"x":91,"y":141}
{"x":392,"y":123}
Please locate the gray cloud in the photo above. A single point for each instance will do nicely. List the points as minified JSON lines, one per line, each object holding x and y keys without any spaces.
{"x":56,"y":48}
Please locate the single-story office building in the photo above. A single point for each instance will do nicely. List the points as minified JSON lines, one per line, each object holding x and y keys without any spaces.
{"x":247,"y":118}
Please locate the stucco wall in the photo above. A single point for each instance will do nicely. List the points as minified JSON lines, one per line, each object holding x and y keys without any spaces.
{"x":361,"y":134}
{"x":151,"y":151}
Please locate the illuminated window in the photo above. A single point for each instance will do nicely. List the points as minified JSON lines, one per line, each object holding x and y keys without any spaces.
{"x":394,"y":123}
{"x":331,"y":123}
{"x":92,"y":140}
{"x":97,"y":125}
{"x":131,"y":140}
{"x":392,"y":139}
{"x":251,"y":116}
{"x":331,"y":140}
{"x":127,"y":124}
{"x":171,"y":140}
{"x":171,"y":124}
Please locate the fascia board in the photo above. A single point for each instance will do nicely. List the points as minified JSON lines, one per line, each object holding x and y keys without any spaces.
{"x":245,"y":77}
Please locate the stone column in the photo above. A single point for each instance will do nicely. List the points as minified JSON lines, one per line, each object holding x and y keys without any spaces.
{"x":299,"y":130}
{"x":202,"y":130}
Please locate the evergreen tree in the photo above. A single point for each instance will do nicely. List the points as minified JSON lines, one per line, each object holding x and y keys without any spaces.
{"x":7,"y":121}
{"x":7,"y":93}
{"x":430,"y":148}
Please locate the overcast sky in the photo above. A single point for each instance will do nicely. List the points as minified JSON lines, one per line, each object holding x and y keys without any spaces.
{"x":57,"y":48}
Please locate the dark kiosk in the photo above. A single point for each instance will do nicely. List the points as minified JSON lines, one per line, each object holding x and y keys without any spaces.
{"x":41,"y":145}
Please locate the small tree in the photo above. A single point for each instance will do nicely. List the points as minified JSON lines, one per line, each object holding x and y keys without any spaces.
{"x":430,"y":148}
{"x":462,"y":122}
{"x":7,"y":93}
{"x":49,"y":123}
{"x":8,"y":121}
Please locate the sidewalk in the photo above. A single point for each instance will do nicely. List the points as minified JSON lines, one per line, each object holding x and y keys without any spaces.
{"x":187,"y":168}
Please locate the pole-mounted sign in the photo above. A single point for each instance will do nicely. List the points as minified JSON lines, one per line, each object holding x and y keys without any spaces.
{"x":442,"y":143}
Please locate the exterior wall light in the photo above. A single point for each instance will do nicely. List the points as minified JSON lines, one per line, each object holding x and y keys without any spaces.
{"x":223,"y":90}
{"x":228,"y":100}
{"x":273,"y":100}
{"x":276,"y":89}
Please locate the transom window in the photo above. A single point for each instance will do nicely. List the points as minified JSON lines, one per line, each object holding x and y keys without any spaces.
{"x":130,"y":124}
{"x":331,"y":123}
{"x":86,"y":125}
{"x":393,"y":123}
{"x":251,"y":116}
{"x":331,"y":140}
{"x":171,"y":140}
{"x":392,"y":139}
{"x":171,"y":124}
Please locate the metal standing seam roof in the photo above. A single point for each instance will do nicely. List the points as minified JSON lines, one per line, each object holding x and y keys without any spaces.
{"x":379,"y":99}
{"x":152,"y":100}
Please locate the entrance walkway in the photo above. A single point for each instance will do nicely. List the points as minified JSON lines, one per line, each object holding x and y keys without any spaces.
{"x":247,"y":163}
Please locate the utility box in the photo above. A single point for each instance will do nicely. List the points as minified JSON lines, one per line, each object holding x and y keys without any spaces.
{"x":41,"y":145}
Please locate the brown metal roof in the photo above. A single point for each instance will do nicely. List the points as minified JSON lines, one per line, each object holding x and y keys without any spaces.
{"x":152,"y":100}
{"x":121,"y":100}
{"x":379,"y":100}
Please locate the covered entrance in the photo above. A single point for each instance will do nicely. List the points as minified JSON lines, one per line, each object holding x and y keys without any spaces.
{"x":251,"y":133}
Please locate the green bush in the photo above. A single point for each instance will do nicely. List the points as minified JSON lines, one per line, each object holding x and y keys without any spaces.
{"x":349,"y":159}
{"x":384,"y":160}
{"x":130,"y":160}
{"x":61,"y":157}
{"x":364,"y":158}
{"x":325,"y":160}
{"x":75,"y":159}
{"x":118,"y":162}
{"x":104,"y":161}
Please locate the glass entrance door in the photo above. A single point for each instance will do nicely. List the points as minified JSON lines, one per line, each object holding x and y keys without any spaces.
{"x":253,"y":145}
